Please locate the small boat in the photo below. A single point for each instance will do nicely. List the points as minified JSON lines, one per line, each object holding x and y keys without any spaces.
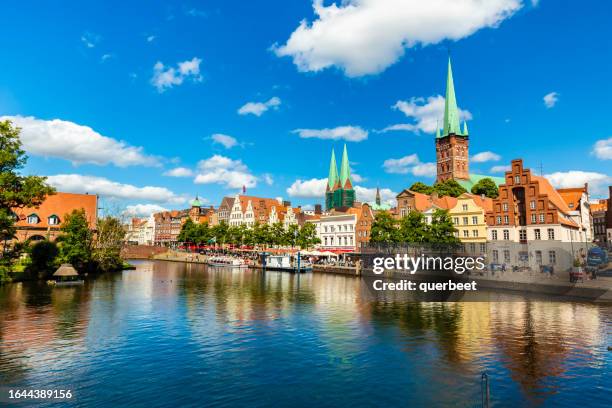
{"x":226,"y":261}
{"x":284,"y":263}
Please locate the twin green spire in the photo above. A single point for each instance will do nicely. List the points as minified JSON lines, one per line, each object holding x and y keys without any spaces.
{"x":451,"y":112}
{"x":345,"y":170}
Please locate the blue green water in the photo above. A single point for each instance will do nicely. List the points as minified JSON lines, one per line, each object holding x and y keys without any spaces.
{"x":176,"y":335}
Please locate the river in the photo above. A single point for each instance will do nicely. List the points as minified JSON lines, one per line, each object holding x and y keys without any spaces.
{"x":172,"y":334}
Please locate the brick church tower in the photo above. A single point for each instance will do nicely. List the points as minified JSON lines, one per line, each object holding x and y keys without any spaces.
{"x":452,"y":145}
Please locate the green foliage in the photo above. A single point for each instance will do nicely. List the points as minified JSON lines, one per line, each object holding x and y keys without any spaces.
{"x":421,"y":188}
{"x":441,"y":229}
{"x":413,"y":228}
{"x":76,"y":240}
{"x":16,"y":191}
{"x":43,"y":257}
{"x":107,"y":245}
{"x":449,"y":188}
{"x":487,"y":187}
{"x":384,"y":228}
{"x":307,"y":236}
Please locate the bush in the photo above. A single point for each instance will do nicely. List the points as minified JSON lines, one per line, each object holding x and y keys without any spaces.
{"x":43,"y":255}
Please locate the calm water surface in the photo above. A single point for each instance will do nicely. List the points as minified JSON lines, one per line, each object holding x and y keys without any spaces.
{"x":170,"y":334}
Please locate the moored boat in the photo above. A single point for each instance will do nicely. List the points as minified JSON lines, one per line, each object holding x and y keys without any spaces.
{"x":286,"y":264}
{"x":226,"y":261}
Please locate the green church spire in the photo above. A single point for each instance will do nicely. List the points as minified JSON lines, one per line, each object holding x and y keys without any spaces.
{"x":451,"y":112}
{"x":345,"y":170}
{"x":333,"y":171}
{"x":465,"y":131}
{"x":437,"y":131}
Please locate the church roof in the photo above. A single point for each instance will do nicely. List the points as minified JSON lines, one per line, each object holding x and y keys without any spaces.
{"x":345,"y":170}
{"x":475,"y":178}
{"x":451,"y":112}
{"x":332,"y":179}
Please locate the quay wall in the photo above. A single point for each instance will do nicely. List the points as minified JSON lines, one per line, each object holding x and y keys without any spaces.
{"x":141,"y":251}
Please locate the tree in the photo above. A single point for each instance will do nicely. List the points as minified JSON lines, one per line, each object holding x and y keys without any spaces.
{"x":487,"y":187}
{"x":261,"y":234}
{"x":413,"y":228}
{"x":384,"y":228}
{"x":278,"y":234}
{"x":108,"y":243}
{"x":16,"y":191}
{"x":307,"y":236}
{"x":188,"y":232}
{"x":441,"y":229}
{"x":449,"y":187}
{"x":76,"y":240}
{"x":43,"y":256}
{"x":220,"y":232}
{"x":291,"y":234}
{"x":419,"y":187}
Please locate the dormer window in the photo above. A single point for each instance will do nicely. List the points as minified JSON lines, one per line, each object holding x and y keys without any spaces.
{"x":53,"y":220}
{"x":33,"y":219}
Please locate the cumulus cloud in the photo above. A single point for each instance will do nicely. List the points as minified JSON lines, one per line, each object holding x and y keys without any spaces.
{"x":550,"y":99}
{"x":143,"y":210}
{"x":598,"y":182}
{"x":409,"y":164}
{"x":348,"y":133}
{"x":225,"y":171}
{"x":226,"y":141}
{"x":77,"y":183}
{"x":267,"y":178}
{"x":363,"y":37}
{"x":483,"y":157}
{"x":167,"y":77}
{"x":259,"y":108}
{"x":313,"y":188}
{"x":427,"y":114}
{"x":365,"y":194}
{"x":77,"y":143}
{"x":500,"y":169}
{"x":603,"y":149}
{"x":179,"y":172}
{"x":90,"y":40}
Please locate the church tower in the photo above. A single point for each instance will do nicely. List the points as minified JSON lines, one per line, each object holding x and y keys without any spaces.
{"x":339,"y":191}
{"x":452,"y":145}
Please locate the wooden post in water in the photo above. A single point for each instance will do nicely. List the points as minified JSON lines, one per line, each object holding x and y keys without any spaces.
{"x":484,"y":388}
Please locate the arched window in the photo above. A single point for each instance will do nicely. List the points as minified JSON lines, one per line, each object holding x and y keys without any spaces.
{"x":53,"y":220}
{"x":33,"y":219}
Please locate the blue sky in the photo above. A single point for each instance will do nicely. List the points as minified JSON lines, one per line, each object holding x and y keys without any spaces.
{"x":113,"y":99}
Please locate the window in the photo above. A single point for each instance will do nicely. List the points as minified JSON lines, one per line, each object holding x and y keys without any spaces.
{"x":533,"y":218}
{"x":505,"y":206}
{"x":537,"y":234}
{"x":403,"y":212}
{"x":494,"y":235}
{"x":326,"y":241}
{"x":532,"y":204}
{"x":506,"y":255}
{"x":33,"y":219}
{"x":552,"y":257}
{"x":456,"y":220}
{"x":551,"y":234}
{"x":498,"y":220}
{"x":472,"y":247}
{"x":506,"y":235}
{"x":465,"y":207}
{"x":495,"y":256}
{"x":465,"y":220}
{"x":538,"y":255}
{"x":54,"y":220}
{"x":517,"y":179}
{"x":475,"y":233}
{"x":475,"y":220}
{"x":466,"y":233}
{"x":506,"y":220}
{"x":541,"y":218}
{"x":523,"y":235}
{"x":483,"y":248}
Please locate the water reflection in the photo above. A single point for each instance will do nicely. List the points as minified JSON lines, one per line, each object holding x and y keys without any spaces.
{"x":228,"y":334}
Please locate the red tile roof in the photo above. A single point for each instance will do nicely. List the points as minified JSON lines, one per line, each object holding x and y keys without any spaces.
{"x":59,"y":204}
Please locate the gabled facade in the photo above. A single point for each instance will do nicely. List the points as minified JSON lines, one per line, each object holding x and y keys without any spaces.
{"x":339,"y":192}
{"x":469,"y":218}
{"x":249,"y":210}
{"x":598,"y":213}
{"x":577,"y":200}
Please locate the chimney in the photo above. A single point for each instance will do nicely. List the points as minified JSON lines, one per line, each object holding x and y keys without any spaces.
{"x":286,"y":203}
{"x":318,"y":209}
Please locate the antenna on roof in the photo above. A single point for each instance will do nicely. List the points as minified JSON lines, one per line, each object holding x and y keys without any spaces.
{"x":541,"y":169}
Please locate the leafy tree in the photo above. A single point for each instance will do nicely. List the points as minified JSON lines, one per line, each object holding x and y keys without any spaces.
{"x":108,"y":243}
{"x":76,"y":240}
{"x":307,"y":236}
{"x":413,"y":228}
{"x":441,"y":229}
{"x":421,"y":188}
{"x":278,"y":234}
{"x":220,"y":232}
{"x":449,"y":187}
{"x":188,"y":231}
{"x":43,"y":256}
{"x":291,"y":235}
{"x":262,"y":234}
{"x":487,"y":187}
{"x":16,"y":191}
{"x":384,"y":228}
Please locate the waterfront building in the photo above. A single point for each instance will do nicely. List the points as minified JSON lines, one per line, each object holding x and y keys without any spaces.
{"x":140,"y":231}
{"x":198,"y":213}
{"x":343,"y":231}
{"x":44,"y":222}
{"x":408,"y":200}
{"x":598,"y":211}
{"x":469,"y":218}
{"x":609,"y":218}
{"x":339,"y":192}
{"x":577,"y":200}
{"x":168,"y":226}
{"x":248,"y":210}
{"x":224,"y":210}
{"x":452,"y":145}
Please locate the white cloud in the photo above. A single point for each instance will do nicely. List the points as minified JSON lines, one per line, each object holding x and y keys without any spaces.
{"x":225,"y":171}
{"x":364,"y":37}
{"x":226,"y":140}
{"x":313,"y":188}
{"x":143,"y":210}
{"x":106,"y":57}
{"x":348,"y":133}
{"x":90,"y":40}
{"x":409,"y":164}
{"x":483,"y":157}
{"x":500,"y":169}
{"x":550,"y":99}
{"x":76,"y":183}
{"x":598,"y":182}
{"x":426,"y":113}
{"x":365,"y":194}
{"x":357,"y":178}
{"x":151,"y":38}
{"x":259,"y":108}
{"x":179,"y":172}
{"x":267,"y":178}
{"x":76,"y":143}
{"x":168,"y":77}
{"x":603,"y":149}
